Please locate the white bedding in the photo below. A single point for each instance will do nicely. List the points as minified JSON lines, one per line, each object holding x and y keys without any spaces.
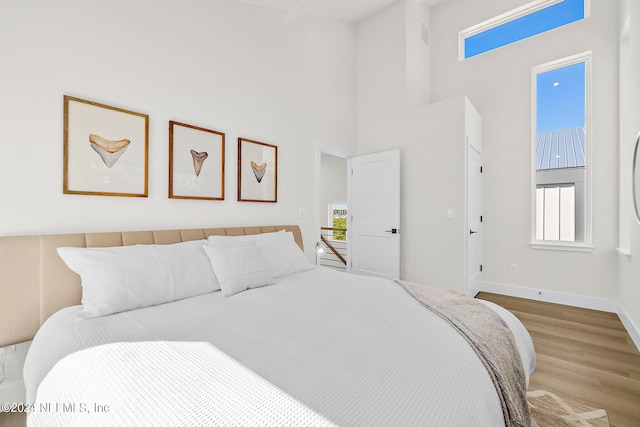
{"x":346,"y":349}
{"x":523,"y":339}
{"x":160,"y":383}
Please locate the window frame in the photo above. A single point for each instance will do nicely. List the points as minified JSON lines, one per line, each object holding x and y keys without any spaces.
{"x":586,"y":245}
{"x":507,"y":17}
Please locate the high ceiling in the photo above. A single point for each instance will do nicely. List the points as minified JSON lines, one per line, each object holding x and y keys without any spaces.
{"x":345,"y":10}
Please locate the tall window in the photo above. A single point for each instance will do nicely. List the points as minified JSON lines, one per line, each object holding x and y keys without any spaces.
{"x":561,"y":151}
{"x":521,"y":23}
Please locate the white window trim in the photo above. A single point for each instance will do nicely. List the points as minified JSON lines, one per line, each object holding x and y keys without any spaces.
{"x":561,"y":246}
{"x":587,"y":245}
{"x":626,"y":209}
{"x":509,"y":16}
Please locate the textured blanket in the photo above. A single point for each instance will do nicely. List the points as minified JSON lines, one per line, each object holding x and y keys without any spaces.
{"x":489,"y":337}
{"x":357,"y":350}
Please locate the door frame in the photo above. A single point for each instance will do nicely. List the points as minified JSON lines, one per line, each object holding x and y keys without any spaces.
{"x":321,"y":148}
{"x":469,"y":289}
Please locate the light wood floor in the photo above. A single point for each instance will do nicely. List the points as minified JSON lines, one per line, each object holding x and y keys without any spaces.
{"x":15,"y":419}
{"x":584,"y":353}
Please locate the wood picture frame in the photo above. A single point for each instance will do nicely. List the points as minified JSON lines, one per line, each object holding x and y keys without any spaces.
{"x":257,"y":171}
{"x":196,"y":162}
{"x":105,"y":150}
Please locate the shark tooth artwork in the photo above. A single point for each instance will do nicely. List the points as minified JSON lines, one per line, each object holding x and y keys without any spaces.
{"x":258,"y":171}
{"x":198,"y":160}
{"x":109,"y":150}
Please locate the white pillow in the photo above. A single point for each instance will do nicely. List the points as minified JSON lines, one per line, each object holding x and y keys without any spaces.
{"x":279,"y":250}
{"x":123,"y":278}
{"x":283,"y":255}
{"x":239,"y":266}
{"x":243,"y":238}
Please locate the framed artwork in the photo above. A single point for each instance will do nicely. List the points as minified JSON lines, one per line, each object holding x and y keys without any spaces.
{"x":105,"y":150}
{"x":257,"y":171}
{"x":196,"y":162}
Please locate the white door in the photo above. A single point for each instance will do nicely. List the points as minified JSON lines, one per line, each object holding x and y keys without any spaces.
{"x":373,"y":241}
{"x":474,"y":219}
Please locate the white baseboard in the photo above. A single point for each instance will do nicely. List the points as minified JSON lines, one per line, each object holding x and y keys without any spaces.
{"x":630,"y":326}
{"x":593,"y":303}
{"x":601,"y":304}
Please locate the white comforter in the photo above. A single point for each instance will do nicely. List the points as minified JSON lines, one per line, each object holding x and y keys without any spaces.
{"x":318,"y":347}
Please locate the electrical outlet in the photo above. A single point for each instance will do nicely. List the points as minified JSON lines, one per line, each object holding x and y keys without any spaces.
{"x":513,"y":268}
{"x":407,"y":269}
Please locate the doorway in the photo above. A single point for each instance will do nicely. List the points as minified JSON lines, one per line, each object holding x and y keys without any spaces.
{"x":339,"y":195}
{"x":333,"y":211}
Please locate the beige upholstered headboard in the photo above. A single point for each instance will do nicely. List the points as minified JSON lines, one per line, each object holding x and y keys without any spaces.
{"x":35,"y":282}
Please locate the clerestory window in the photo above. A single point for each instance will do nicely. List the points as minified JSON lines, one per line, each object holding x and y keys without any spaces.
{"x":527,"y":21}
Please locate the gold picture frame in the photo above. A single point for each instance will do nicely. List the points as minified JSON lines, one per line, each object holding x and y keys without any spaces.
{"x":105,"y":151}
{"x":196,"y":162}
{"x":257,"y":171}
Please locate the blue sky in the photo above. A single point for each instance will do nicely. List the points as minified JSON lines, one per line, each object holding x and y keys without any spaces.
{"x":543,"y":20}
{"x":560,"y":98}
{"x":560,"y":93}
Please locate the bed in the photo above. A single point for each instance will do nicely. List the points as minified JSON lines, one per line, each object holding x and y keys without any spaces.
{"x":313,"y":347}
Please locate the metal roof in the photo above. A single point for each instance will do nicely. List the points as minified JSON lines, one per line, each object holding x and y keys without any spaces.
{"x":560,"y":149}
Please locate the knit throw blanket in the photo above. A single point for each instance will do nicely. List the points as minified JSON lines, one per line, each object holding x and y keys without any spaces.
{"x":490,"y":338}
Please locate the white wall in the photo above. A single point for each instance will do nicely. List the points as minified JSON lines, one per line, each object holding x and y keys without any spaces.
{"x":629,"y":267}
{"x":380,"y":66}
{"x":393,"y":62}
{"x":431,"y":142}
{"x":499,"y":85}
{"x":418,"y":52}
{"x":431,"y":139}
{"x":333,"y":184}
{"x":222,"y":65}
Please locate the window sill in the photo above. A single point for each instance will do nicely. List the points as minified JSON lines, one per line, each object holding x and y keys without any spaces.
{"x":625,"y":253}
{"x":561,"y":246}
